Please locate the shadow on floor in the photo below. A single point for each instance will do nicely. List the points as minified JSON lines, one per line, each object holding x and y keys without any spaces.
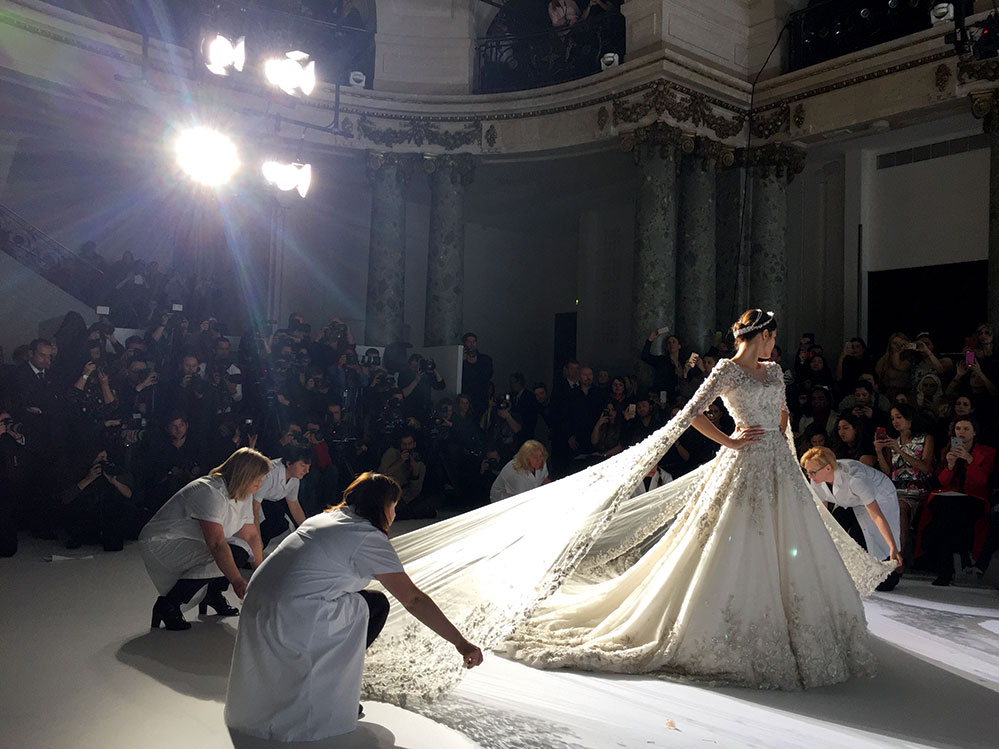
{"x":367,"y":736}
{"x":194,"y":662}
{"x":952,"y":711}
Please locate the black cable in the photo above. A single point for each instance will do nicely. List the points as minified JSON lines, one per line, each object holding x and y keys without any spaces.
{"x":749,"y":138}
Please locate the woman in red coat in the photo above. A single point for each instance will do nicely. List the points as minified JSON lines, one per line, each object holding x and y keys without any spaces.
{"x":956,"y":516}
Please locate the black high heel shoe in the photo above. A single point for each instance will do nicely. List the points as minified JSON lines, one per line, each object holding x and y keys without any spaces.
{"x":169,"y":614}
{"x":218,"y":603}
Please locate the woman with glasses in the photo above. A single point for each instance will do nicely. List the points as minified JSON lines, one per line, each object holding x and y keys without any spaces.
{"x":871,"y":494}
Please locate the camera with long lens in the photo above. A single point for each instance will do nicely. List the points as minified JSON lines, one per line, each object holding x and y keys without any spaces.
{"x":504,"y":403}
{"x":428,"y":366}
{"x":338,"y":330}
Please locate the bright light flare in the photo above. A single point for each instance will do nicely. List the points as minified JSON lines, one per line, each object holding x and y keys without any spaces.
{"x":292,"y":72}
{"x":207,"y":156}
{"x":222,"y":54}
{"x":288,"y":176}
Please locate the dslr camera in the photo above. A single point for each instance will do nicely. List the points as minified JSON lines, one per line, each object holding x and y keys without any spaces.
{"x":427,"y":366}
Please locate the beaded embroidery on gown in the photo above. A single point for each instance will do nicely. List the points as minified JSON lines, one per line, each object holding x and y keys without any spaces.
{"x":734,"y":574}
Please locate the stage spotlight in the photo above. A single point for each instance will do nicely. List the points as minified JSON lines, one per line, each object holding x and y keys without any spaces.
{"x":288,"y":176}
{"x":941,"y":13}
{"x":292,"y":72}
{"x":220,"y":54}
{"x":206,"y":156}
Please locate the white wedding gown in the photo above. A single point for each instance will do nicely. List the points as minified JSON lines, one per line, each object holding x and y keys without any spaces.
{"x":734,"y":574}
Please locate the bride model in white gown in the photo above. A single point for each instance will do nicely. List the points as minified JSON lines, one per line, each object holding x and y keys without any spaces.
{"x":734,"y":574}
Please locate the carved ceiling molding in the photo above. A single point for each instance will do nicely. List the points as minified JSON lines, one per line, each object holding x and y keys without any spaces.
{"x":656,"y":139}
{"x":460,"y":168}
{"x":977,"y":70}
{"x":682,"y":105}
{"x":420,"y":133}
{"x":402,"y":163}
{"x":779,"y":160}
{"x":942,"y":76}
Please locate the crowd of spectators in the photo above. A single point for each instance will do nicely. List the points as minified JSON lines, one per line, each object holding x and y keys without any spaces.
{"x":96,"y":434}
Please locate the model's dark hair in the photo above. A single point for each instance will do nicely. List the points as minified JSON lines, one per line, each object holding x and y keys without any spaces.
{"x":757,"y":320}
{"x":369,"y":495}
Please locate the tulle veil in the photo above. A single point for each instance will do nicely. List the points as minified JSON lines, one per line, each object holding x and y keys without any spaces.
{"x":487,"y":569}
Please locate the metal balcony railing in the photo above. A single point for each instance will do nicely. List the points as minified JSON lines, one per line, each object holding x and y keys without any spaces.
{"x":33,"y":248}
{"x":521,"y":62}
{"x":826,"y":30}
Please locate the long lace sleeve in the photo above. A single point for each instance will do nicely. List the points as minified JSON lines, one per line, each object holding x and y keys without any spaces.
{"x":487,"y":569}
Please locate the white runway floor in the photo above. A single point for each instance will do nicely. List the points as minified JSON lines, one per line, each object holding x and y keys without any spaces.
{"x":81,"y":669}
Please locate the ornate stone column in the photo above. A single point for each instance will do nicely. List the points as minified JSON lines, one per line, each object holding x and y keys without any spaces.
{"x":387,"y":173}
{"x":985,"y":106}
{"x":449,"y":175}
{"x":696,"y":254}
{"x":774,"y":165}
{"x":654,"y":150}
{"x":732,"y":270}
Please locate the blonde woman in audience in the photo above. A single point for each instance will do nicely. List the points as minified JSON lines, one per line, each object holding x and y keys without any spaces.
{"x":528,"y":470}
{"x":894,"y":368}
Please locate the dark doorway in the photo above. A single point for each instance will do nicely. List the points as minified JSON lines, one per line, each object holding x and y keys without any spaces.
{"x":947,"y":301}
{"x":565,"y":341}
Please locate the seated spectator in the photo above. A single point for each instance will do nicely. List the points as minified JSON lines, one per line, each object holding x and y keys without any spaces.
{"x":617,"y":393}
{"x":406,"y":466}
{"x":814,"y":435}
{"x":641,"y":420}
{"x":854,"y":360}
{"x":542,"y":406}
{"x":699,"y":448}
{"x":851,"y":440}
{"x":97,"y":506}
{"x":955,"y":519}
{"x":930,"y":398}
{"x":868,"y":405}
{"x":605,"y":437}
{"x":279,"y":490}
{"x":907,"y":457}
{"x":820,"y":411}
{"x":972,"y":378}
{"x":563,"y":14}
{"x":927,"y":361}
{"x":528,"y":470}
{"x":894,"y":369}
{"x":656,"y":477}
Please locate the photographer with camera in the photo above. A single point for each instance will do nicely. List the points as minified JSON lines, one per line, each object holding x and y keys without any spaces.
{"x":97,"y":506}
{"x":418,"y":381}
{"x":91,"y":400}
{"x":406,"y":466}
{"x":12,"y":444}
{"x":171,"y":462}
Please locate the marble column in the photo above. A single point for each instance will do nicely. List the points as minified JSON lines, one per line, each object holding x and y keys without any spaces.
{"x":449,"y":176}
{"x":987,"y":108}
{"x":696,"y":259}
{"x":387,"y":174}
{"x":654,"y":150}
{"x":732,"y":251}
{"x":773,"y":167}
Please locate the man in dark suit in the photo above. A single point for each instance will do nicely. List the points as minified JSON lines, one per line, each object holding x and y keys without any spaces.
{"x":476,"y":373}
{"x":36,"y":400}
